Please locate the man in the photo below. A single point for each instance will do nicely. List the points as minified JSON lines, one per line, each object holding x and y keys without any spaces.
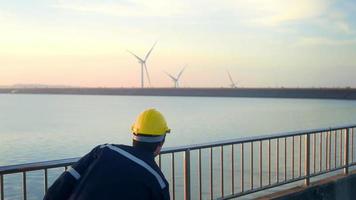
{"x":117,"y":171}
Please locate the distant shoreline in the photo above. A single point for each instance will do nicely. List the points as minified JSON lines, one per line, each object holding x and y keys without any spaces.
{"x":304,"y":93}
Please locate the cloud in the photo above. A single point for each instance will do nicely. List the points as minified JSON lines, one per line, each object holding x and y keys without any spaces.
{"x":254,"y":12}
{"x":338,"y":22}
{"x":258,"y":12}
{"x":97,"y":8}
{"x":324,"y":16}
{"x":5,"y":16}
{"x":277,"y":12}
{"x":134,"y":8}
{"x":317,"y":41}
{"x":343,"y":26}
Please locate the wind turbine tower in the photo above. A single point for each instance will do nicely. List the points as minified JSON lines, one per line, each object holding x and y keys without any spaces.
{"x":176,"y":79}
{"x":143,"y":65}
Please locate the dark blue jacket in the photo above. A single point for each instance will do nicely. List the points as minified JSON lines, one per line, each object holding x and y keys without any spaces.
{"x":111,"y":172}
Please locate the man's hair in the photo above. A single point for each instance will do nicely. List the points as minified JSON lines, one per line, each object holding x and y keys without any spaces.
{"x":147,"y":146}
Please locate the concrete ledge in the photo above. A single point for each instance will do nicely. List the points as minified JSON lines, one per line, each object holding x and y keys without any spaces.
{"x":339,"y":187}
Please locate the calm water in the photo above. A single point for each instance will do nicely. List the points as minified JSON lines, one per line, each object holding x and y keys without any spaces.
{"x":46,"y":127}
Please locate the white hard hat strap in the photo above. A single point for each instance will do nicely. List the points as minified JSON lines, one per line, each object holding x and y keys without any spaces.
{"x":151,"y":139}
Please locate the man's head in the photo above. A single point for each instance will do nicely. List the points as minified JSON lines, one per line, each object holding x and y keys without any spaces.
{"x":149,"y":131}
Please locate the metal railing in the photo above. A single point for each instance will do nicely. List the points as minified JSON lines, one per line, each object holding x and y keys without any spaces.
{"x":233,"y":168}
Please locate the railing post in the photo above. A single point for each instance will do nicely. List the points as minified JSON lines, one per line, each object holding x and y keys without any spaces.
{"x":45,"y":181}
{"x":173,"y":176}
{"x":2,"y":187}
{"x":222,"y":170}
{"x":346,"y":152}
{"x":24,"y":186}
{"x":307,"y":159}
{"x":187,"y":175}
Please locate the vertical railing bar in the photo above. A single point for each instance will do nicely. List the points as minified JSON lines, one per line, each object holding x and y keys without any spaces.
{"x":330,"y":150}
{"x":292,"y":157}
{"x":307,"y":159}
{"x":2,"y":187}
{"x":341,"y":136}
{"x":326,"y":150}
{"x":232,"y":169}
{"x":277,"y":160}
{"x":45,"y":180}
{"x":285,"y":159}
{"x":187,"y":194}
{"x":330,"y":141}
{"x":222,"y":169}
{"x":24,"y":185}
{"x":346,"y":151}
{"x":314,"y":152}
{"x":211,"y":175}
{"x":251,"y":166}
{"x":321,"y":152}
{"x":173,"y":175}
{"x":260,"y":158}
{"x":242,"y":167}
{"x":335,"y":147}
{"x":300,"y":155}
{"x":200,"y":178}
{"x":352,"y":145}
{"x":269,"y":162}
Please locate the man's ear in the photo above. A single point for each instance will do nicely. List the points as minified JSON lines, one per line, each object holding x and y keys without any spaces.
{"x":158,"y":149}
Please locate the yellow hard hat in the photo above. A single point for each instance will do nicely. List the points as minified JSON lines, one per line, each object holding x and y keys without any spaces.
{"x":150,"y":122}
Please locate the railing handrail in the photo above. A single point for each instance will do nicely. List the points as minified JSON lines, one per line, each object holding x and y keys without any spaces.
{"x":37,"y":165}
{"x":65,"y":162}
{"x":252,"y":139}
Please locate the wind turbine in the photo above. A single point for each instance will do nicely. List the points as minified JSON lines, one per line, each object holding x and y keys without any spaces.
{"x":176,"y":79}
{"x":143,"y":65}
{"x":233,"y":84}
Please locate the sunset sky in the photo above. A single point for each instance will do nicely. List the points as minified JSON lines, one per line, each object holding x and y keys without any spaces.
{"x":263,"y":43}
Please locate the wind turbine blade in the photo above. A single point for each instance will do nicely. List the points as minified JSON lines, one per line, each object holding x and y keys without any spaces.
{"x":172,"y":77}
{"x":149,"y":52}
{"x":232,"y":82}
{"x":181,"y":71}
{"x":135,"y":56}
{"x":148,"y":76}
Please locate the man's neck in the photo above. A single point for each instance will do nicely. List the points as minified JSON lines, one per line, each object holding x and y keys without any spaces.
{"x":144,"y":150}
